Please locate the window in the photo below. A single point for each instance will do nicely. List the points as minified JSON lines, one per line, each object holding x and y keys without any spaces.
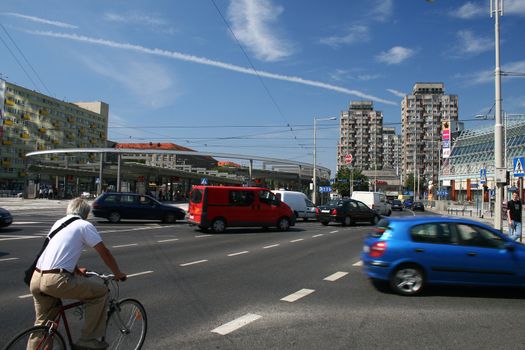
{"x":241,"y":198}
{"x":362,"y":206}
{"x":268,"y":198}
{"x":433,"y":233}
{"x":127,"y":199}
{"x":476,"y":236}
{"x":196,"y":196}
{"x":110,"y":199}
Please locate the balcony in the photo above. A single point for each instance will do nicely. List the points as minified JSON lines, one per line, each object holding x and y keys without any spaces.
{"x":22,"y":174}
{"x":42,"y":130}
{"x":9,"y":102}
{"x":26,"y":116}
{"x":8,"y":122}
{"x":24,"y":135}
{"x":7,"y":142}
{"x":6,"y":163}
{"x":43,"y":111}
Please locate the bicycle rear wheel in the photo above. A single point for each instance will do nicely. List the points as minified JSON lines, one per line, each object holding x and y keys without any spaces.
{"x":127,"y":325}
{"x":41,"y":338}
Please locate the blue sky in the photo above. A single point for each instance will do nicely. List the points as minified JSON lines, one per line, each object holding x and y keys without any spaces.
{"x":172,"y":71}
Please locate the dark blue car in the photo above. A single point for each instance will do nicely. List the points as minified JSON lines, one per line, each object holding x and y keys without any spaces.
{"x":115,"y":206}
{"x":409,"y":253}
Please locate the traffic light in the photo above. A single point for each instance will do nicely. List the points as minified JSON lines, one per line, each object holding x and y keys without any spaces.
{"x":507,"y":178}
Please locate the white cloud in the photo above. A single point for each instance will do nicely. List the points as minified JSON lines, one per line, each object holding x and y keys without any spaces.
{"x":470,"y":44}
{"x":367,"y":77}
{"x":209,"y":62}
{"x":516,"y":7}
{"x":154,"y":22}
{"x":41,"y":20}
{"x":152,"y":87}
{"x":343,"y":74}
{"x":253,"y":24}
{"x":395,"y":55}
{"x":487,"y":76}
{"x":469,"y":10}
{"x":382,"y":10}
{"x":396,"y":92}
{"x":352,"y":34}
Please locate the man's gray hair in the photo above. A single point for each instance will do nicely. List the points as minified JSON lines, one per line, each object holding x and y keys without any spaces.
{"x":78,"y":206}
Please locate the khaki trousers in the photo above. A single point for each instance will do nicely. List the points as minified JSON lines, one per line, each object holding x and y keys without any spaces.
{"x":48,"y":288}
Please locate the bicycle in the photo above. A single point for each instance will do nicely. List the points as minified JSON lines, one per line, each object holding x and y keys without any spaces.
{"x":126,"y":324}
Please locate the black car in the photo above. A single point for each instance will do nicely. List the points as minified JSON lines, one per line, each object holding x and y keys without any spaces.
{"x":5,"y":218}
{"x":115,"y":206}
{"x":397,"y":204}
{"x":418,"y":206}
{"x":346,"y":212}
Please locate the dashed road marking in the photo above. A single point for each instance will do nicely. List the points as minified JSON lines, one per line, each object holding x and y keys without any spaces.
{"x":271,"y":246}
{"x":236,"y":324}
{"x":125,"y":245}
{"x":140,"y":273}
{"x":359,"y":263}
{"x":298,"y":295}
{"x":131,"y":229}
{"x":9,"y":259}
{"x":200,"y":236}
{"x":25,"y":222}
{"x":319,"y":235}
{"x":168,"y":240}
{"x":297,"y":240}
{"x":15,"y":238}
{"x":25,"y":296}
{"x":239,"y":253}
{"x":334,"y":231}
{"x":193,"y":263}
{"x":335,"y":276}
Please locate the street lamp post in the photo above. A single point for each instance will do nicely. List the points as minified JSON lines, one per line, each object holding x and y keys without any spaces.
{"x":496,"y":9}
{"x":314,"y":193}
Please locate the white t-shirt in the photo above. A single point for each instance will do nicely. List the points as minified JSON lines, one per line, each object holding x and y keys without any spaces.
{"x":65,"y":248}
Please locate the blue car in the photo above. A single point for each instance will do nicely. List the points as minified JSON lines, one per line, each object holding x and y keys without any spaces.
{"x":410,"y":253}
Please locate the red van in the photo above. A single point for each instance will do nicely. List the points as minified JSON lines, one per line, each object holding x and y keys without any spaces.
{"x":218,"y":207}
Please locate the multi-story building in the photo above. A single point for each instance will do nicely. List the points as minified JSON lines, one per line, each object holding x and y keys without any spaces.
{"x":31,"y":121}
{"x":423,"y":113}
{"x":361,"y":135}
{"x":392,"y":149}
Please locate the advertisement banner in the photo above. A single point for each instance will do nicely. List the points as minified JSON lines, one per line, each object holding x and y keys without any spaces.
{"x":445,"y":129}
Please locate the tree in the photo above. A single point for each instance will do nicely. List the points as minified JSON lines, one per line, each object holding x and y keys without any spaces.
{"x":342,"y":181}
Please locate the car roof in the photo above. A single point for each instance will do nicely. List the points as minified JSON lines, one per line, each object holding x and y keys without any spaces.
{"x":430,"y":219}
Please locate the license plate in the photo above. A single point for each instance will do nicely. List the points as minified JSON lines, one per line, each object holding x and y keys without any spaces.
{"x":366,"y":249}
{"x":325,"y":211}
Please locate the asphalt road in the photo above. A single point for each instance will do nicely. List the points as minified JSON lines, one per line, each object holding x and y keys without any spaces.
{"x":255,"y":289}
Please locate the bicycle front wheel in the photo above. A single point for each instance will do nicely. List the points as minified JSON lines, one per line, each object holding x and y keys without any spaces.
{"x":127,"y":325}
{"x":37,"y":338}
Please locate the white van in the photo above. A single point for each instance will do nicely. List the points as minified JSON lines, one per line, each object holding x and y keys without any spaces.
{"x":375,"y":200}
{"x":298,"y":202}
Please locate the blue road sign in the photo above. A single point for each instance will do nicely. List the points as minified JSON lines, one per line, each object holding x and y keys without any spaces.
{"x":519,"y":162}
{"x":323,"y":189}
{"x":204,"y":181}
{"x":482,"y":176}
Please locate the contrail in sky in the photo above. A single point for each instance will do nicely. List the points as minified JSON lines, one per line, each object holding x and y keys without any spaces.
{"x":208,"y":62}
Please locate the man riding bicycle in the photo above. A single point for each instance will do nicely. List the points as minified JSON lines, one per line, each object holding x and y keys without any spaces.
{"x":58,"y":276}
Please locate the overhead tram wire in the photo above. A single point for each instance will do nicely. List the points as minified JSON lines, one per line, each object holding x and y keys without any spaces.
{"x":253,"y":68}
{"x":25,"y":59}
{"x":20,"y":64}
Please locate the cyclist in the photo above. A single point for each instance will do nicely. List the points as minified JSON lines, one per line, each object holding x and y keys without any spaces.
{"x":58,"y":276}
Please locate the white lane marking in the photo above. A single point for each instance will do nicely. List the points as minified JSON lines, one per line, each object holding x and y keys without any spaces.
{"x":335,"y":276}
{"x":298,"y":295}
{"x":333,"y":231}
{"x":236,"y":324}
{"x":359,"y":263}
{"x":193,"y":263}
{"x":131,"y":229}
{"x":15,"y":238}
{"x":297,"y":240}
{"x":200,"y":236}
{"x":125,"y":245}
{"x":25,"y":296}
{"x":9,"y":259}
{"x":25,"y":222}
{"x":238,"y":253}
{"x":319,"y":235}
{"x":271,"y":246}
{"x":140,"y":273}
{"x":168,"y":240}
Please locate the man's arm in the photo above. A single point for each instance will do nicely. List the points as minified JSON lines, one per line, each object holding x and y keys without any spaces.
{"x":110,"y":261}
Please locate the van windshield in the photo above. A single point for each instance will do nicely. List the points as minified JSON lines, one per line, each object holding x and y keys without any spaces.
{"x":196,"y":196}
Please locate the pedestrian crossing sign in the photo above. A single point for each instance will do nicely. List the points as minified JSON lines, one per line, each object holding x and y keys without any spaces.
{"x":519,"y":162}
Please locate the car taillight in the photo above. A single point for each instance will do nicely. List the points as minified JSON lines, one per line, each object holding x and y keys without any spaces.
{"x":317,"y":211}
{"x":377,"y":249}
{"x":95,"y":205}
{"x":333,"y":212}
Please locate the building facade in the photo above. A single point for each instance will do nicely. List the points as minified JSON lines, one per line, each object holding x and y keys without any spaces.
{"x":31,"y":121}
{"x":361,"y":135}
{"x":424,"y":114}
{"x":392,"y":149}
